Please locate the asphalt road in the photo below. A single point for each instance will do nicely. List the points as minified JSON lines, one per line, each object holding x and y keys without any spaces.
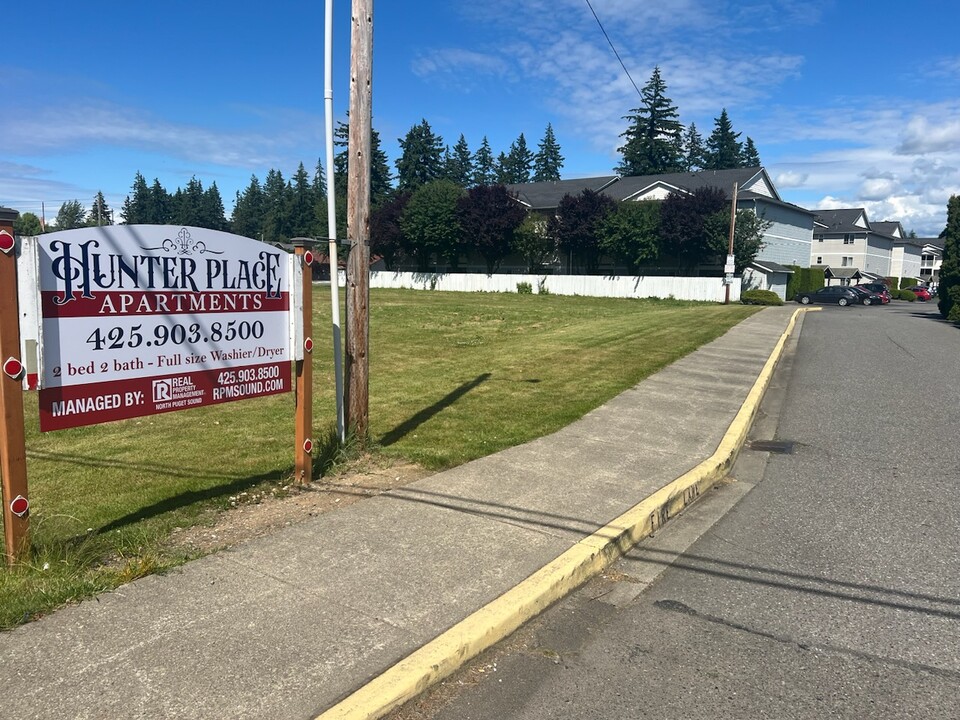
{"x":823,"y":583}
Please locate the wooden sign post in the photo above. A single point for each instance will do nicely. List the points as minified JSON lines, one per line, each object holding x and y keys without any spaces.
{"x":13,"y":452}
{"x":303,"y":466}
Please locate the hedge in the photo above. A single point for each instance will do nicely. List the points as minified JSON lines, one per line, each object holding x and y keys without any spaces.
{"x":760,"y":297}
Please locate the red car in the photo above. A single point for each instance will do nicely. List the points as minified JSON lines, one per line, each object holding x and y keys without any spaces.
{"x":921,"y":292}
{"x":878,"y":288}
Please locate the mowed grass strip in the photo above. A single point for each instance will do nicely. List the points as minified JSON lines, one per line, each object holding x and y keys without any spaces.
{"x":453,"y":377}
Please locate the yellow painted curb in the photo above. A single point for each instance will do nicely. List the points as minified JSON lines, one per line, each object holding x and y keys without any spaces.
{"x":442,"y":656}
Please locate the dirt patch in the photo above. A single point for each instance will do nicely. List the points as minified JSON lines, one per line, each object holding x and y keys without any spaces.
{"x":254,"y":514}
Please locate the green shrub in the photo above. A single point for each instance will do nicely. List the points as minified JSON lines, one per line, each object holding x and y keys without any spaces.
{"x":542,"y":288}
{"x":907,"y":282}
{"x":816,"y":279}
{"x":760,"y":297}
{"x":905,"y":295}
{"x":793,"y":284}
{"x":524,"y":288}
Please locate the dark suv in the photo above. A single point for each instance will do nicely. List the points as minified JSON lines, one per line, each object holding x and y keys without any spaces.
{"x":831,"y":294}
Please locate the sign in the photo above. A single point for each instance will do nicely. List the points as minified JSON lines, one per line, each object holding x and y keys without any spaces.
{"x":143,"y":319}
{"x":730,"y":267}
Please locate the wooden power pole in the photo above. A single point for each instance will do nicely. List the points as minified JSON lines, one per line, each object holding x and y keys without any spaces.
{"x":358,"y":219}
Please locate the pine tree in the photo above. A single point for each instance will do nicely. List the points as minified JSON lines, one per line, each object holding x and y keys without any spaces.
{"x":723,"y":145}
{"x":949,"y":287}
{"x":421,"y":157}
{"x":100,"y":213}
{"x":484,"y":168}
{"x":519,"y":161}
{"x":548,"y":160}
{"x":653,"y":144}
{"x":460,"y":164}
{"x":159,"y":204}
{"x":503,"y":173}
{"x":693,"y":150}
{"x":749,"y":158}
{"x":135,"y":205}
{"x":302,"y":206}
{"x":212,"y":215}
{"x":247,"y":217}
{"x":275,"y":226}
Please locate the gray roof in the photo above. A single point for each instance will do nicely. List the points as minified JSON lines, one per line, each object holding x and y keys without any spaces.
{"x":840,"y":220}
{"x":690,"y":181}
{"x":935,"y":241}
{"x":771,"y":267}
{"x":548,"y":194}
{"x":889,"y":228}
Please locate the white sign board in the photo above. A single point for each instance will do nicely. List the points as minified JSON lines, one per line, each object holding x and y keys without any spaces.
{"x":142,"y":319}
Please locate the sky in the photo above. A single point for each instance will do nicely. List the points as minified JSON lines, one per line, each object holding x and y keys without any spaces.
{"x":850,"y":104}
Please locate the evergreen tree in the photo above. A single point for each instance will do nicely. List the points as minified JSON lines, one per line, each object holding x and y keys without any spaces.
{"x":212,"y":214}
{"x":189,"y":208}
{"x":519,"y":162}
{"x":548,"y":160}
{"x":100,"y":213}
{"x":949,"y":287}
{"x":693,"y":151}
{"x":723,"y":145}
{"x":460,"y":164}
{"x":247,"y":217}
{"x":653,"y":144}
{"x":134,"y":210}
{"x":301,"y":212}
{"x":484,"y":167}
{"x":319,"y":180}
{"x":503,"y":175}
{"x":159,"y":202}
{"x":749,"y":158}
{"x":275,"y":227}
{"x":421,"y":157}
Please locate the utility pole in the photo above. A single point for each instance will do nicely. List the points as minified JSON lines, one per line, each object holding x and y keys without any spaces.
{"x":358,"y":219}
{"x":729,"y":268}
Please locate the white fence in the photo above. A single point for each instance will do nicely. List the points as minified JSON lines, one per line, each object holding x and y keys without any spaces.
{"x":707,"y":289}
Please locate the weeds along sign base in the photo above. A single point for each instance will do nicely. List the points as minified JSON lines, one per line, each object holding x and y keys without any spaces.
{"x":143,"y":319}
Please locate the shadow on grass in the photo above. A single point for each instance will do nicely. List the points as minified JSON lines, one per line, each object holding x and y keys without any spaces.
{"x":421,"y":417}
{"x":183,"y":500}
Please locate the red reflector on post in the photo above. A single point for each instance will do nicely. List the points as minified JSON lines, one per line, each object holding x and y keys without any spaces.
{"x":7,"y":243}
{"x":19,"y":506}
{"x":13,"y":368}
{"x":308,"y":446}
{"x":308,"y":345}
{"x":308,"y":258}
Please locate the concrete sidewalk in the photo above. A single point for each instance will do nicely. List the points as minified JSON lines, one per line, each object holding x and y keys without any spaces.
{"x":288,"y":625}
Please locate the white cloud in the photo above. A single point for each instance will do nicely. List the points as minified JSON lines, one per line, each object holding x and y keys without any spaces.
{"x":922,"y":136}
{"x":788,"y":179}
{"x":458,"y":63}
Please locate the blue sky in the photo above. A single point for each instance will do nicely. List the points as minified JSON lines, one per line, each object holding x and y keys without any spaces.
{"x":850,"y":104}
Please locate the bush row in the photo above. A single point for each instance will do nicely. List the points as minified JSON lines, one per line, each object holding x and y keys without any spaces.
{"x":804,"y":280}
{"x":760,"y":297}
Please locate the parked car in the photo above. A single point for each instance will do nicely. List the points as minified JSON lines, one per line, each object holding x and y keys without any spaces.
{"x":831,"y":294}
{"x":867,"y":297}
{"x":879,"y":288}
{"x":921,"y":292}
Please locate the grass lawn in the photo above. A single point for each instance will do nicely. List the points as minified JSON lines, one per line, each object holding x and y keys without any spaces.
{"x":453,"y":377}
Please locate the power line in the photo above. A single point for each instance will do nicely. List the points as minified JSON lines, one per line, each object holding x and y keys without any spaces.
{"x":614,"y":49}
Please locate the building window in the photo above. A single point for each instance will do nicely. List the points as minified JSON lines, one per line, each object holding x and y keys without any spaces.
{"x":848,"y":239}
{"x":819,"y":259}
{"x":819,"y":238}
{"x":847,"y":261}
